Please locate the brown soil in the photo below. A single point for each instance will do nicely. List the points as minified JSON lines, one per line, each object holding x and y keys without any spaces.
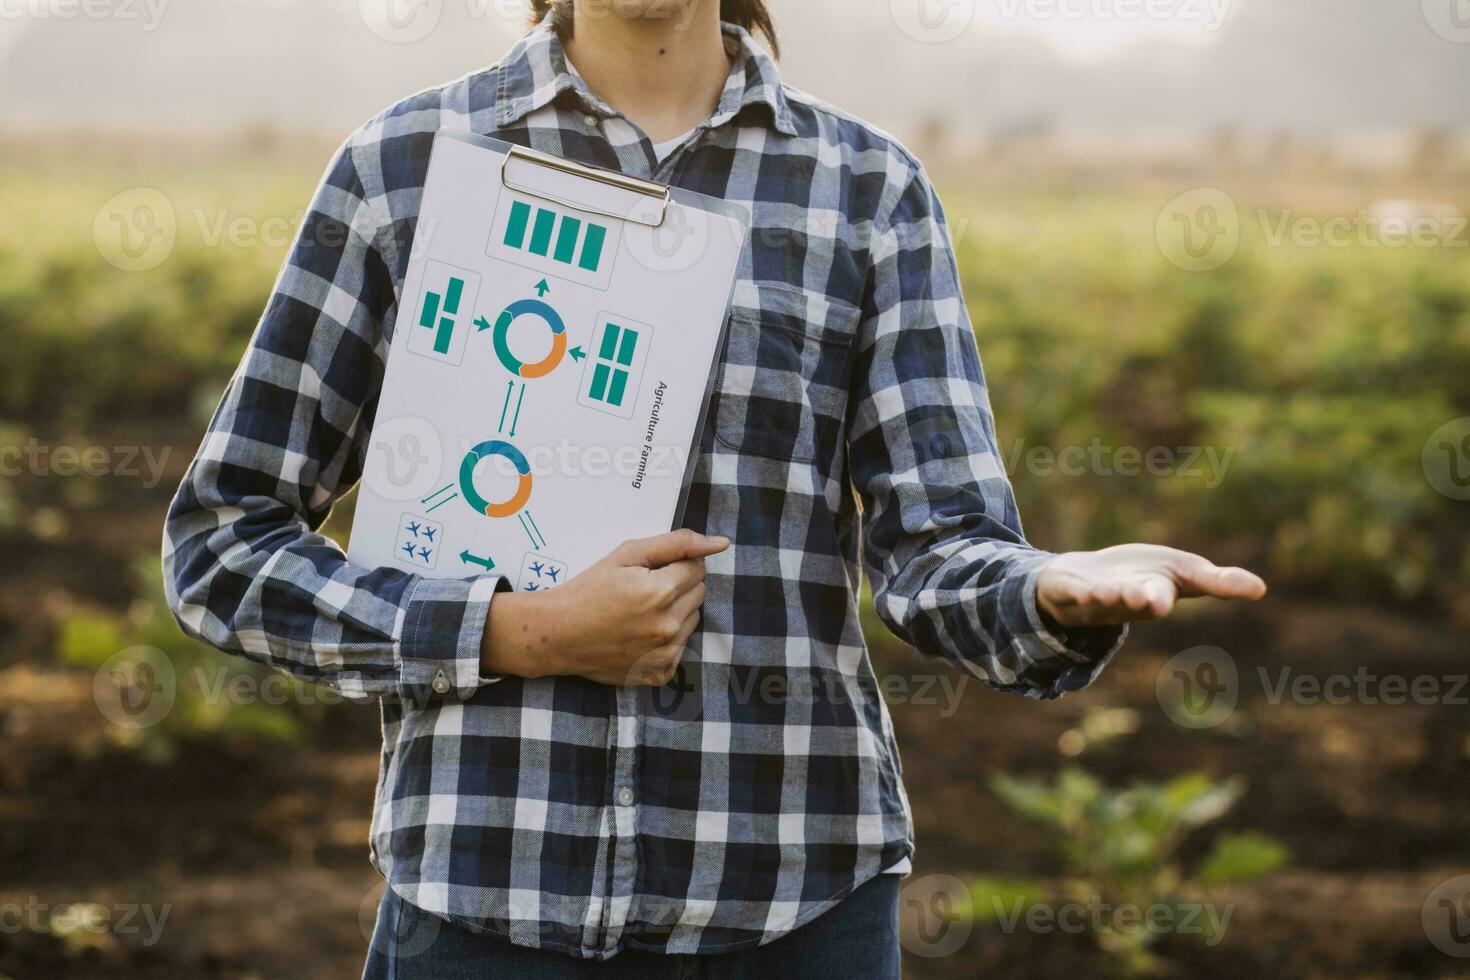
{"x":259,"y":853}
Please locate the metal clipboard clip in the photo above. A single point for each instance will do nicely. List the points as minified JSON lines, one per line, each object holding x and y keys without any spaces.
{"x":634,"y":185}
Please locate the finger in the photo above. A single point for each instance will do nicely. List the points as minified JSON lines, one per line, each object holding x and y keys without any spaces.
{"x":688,"y":603}
{"x":664,"y":549}
{"x":1135,"y":597}
{"x":1068,"y":590}
{"x":686,"y":630}
{"x":1060,"y":597}
{"x":1161,"y":596}
{"x":1079,"y":601}
{"x":1239,"y":583}
{"x":1106,"y":592}
{"x":681,"y":576}
{"x":1200,"y":577}
{"x":657,"y":667}
{"x":1140,"y":600}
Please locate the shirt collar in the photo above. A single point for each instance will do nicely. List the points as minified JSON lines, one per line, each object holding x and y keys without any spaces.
{"x":536,"y":71}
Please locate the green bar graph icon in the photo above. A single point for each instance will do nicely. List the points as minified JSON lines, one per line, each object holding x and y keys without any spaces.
{"x":599,"y":383}
{"x":566,"y":239}
{"x":614,"y":359}
{"x":555,"y":236}
{"x":541,"y":235}
{"x":515,"y":231}
{"x":609,"y":342}
{"x":592,"y":247}
{"x":450,"y":309}
{"x":440,"y":325}
{"x":613,"y":375}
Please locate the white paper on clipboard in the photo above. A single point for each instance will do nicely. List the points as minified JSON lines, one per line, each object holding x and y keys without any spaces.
{"x":550,"y":368}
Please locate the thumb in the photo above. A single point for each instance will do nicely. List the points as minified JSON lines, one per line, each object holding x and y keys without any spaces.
{"x":1200,"y":577}
{"x":665,"y":549}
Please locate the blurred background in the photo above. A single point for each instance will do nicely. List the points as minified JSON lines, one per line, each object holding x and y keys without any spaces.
{"x":1217,"y":257}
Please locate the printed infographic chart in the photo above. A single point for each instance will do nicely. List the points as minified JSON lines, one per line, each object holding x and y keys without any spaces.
{"x":550,"y":368}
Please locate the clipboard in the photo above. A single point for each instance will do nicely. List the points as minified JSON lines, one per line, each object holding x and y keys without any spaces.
{"x":550,"y":369}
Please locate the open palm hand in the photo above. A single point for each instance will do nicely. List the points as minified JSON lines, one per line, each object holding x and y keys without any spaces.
{"x":1132,"y":582}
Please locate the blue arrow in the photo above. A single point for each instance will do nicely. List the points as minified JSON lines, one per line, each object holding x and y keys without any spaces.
{"x":577,"y":353}
{"x":482,"y":323}
{"x":542,"y":288}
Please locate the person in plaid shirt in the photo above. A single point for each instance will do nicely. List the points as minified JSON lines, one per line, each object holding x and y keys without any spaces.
{"x":677,"y":763}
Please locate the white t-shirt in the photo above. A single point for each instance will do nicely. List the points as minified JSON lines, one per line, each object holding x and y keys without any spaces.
{"x":662,"y":150}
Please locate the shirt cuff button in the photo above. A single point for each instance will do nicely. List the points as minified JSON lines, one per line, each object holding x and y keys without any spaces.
{"x":441,"y":683}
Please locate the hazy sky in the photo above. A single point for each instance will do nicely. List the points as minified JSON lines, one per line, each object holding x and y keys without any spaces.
{"x":1114,"y":65}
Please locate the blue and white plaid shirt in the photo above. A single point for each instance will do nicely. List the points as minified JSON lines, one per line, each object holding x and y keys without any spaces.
{"x":850,"y":419}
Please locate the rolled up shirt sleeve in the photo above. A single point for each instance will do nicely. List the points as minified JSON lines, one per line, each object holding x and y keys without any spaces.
{"x":951,"y":571}
{"x":245,"y":566}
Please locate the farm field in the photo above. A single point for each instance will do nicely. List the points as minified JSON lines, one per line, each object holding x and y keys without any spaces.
{"x":1278,"y":410}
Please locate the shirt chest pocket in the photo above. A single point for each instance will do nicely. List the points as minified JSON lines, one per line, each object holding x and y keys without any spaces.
{"x":783,"y":384}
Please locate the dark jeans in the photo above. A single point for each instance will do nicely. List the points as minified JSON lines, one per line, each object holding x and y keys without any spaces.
{"x":857,"y":940}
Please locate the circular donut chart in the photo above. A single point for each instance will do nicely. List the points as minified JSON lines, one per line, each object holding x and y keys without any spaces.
{"x":548,"y":316}
{"x":495,"y":447}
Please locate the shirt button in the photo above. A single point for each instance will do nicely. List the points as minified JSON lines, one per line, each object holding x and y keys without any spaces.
{"x":591,"y":121}
{"x":625,"y":796}
{"x":441,"y":683}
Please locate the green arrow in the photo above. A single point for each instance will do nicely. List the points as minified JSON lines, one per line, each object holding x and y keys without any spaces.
{"x":470,"y":559}
{"x":542,"y":288}
{"x":482,"y":323}
{"x":577,"y":353}
{"x":509,"y":387}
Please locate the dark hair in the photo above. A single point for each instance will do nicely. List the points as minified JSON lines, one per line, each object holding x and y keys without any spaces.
{"x":749,"y":14}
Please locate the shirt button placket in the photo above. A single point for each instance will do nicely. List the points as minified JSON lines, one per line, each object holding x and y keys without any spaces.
{"x":622,"y":902}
